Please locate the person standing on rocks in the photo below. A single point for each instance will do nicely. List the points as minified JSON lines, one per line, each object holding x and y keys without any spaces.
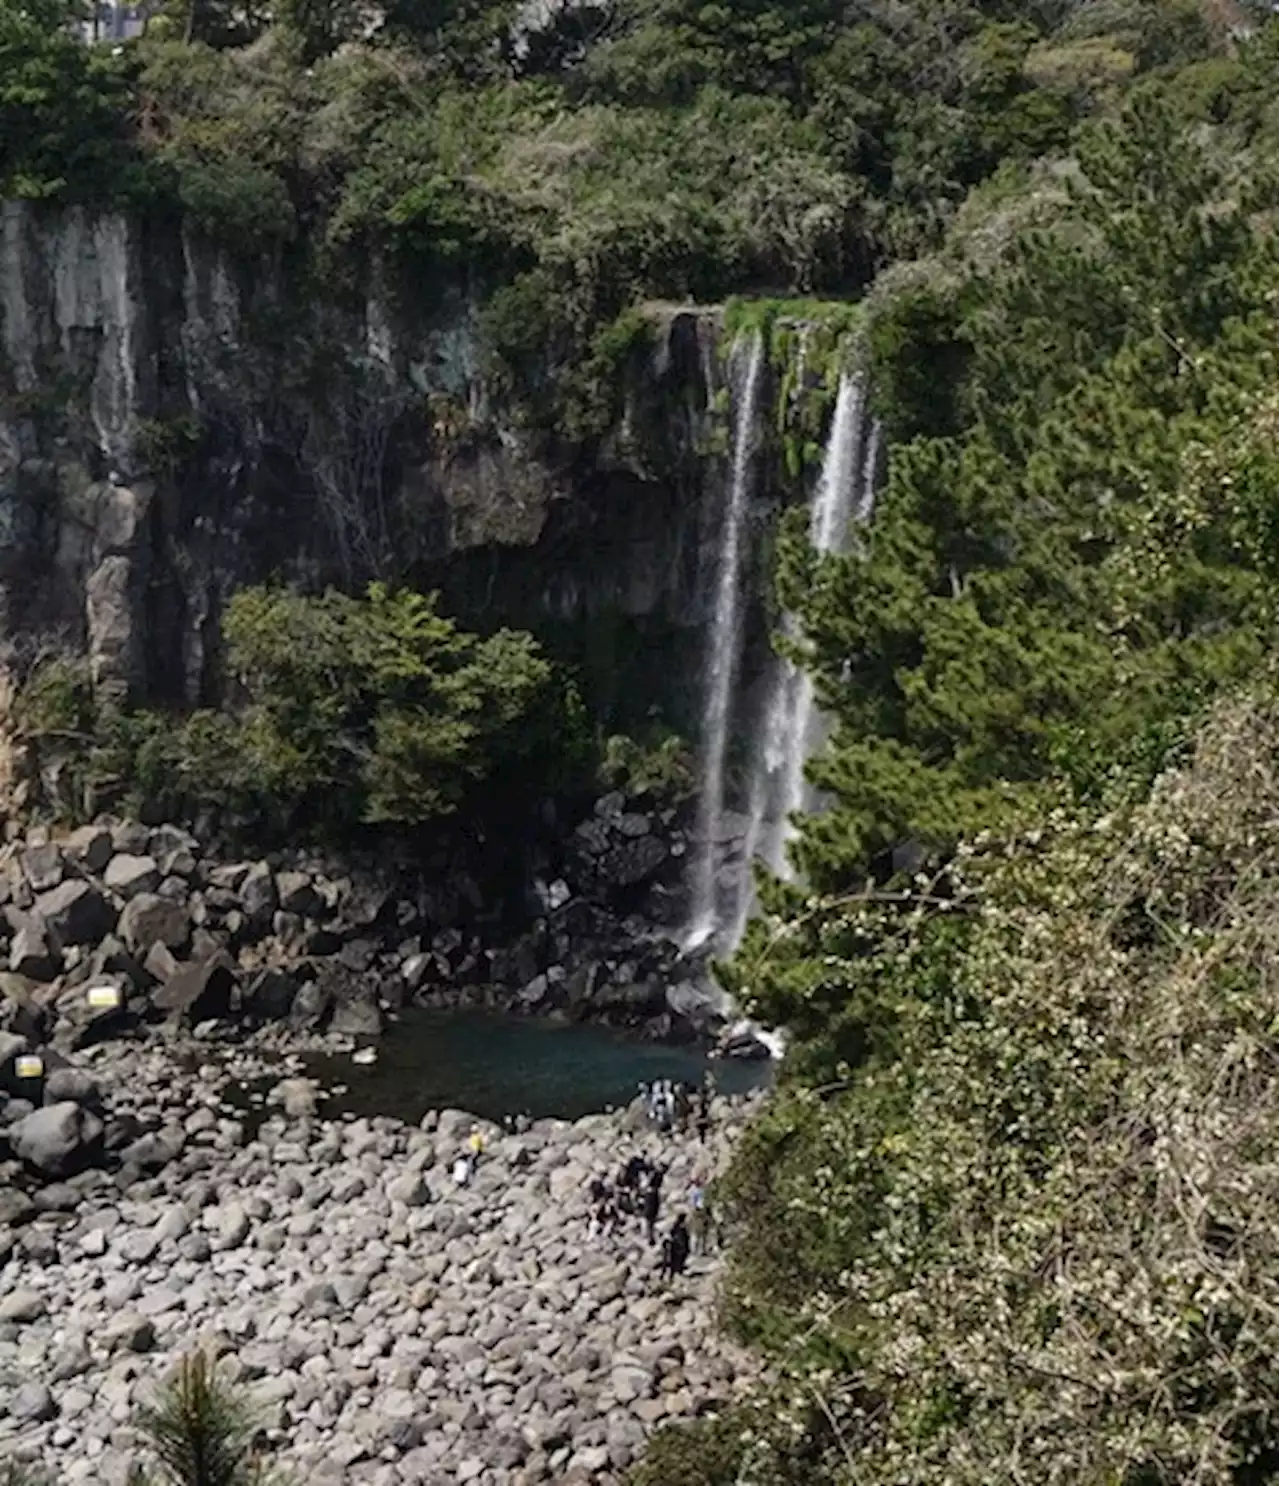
{"x":699,"y":1213}
{"x":675,"y":1250}
{"x":682,"y":1106}
{"x":649,"y":1206}
{"x":704,"y":1110}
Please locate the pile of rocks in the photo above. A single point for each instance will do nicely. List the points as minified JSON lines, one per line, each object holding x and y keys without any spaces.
{"x":391,"y":1326}
{"x":179,"y":933}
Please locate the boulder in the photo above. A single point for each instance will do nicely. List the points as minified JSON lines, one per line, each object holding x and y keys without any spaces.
{"x":297,"y":1097}
{"x":258,"y":896}
{"x":160,"y":963}
{"x":32,"y":1403}
{"x":76,"y":1085}
{"x":297,"y":894}
{"x":42,"y":866}
{"x":269,"y":995}
{"x":130,"y":836}
{"x":130,"y":875}
{"x":175,"y":851}
{"x":20,"y":1011}
{"x":75,"y":913}
{"x":153,"y":1150}
{"x":199,"y":992}
{"x":90,"y":846}
{"x":31,"y":954}
{"x":149,"y":919}
{"x":57,"y":1139}
{"x":22,"y":1306}
{"x":358,"y":1017}
{"x":310,"y":1006}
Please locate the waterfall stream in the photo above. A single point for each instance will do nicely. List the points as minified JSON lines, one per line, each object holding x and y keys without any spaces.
{"x":792,"y":729}
{"x":726,"y":624}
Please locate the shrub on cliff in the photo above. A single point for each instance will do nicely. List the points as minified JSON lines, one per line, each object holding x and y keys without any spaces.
{"x":1033,"y":1236}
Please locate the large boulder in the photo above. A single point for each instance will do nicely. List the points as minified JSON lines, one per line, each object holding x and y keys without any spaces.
{"x":311,"y":1005}
{"x":269,"y":995}
{"x":150,"y":919}
{"x":75,"y":913}
{"x":72,"y":1085}
{"x":90,"y":846}
{"x":58,"y":1139}
{"x":31,"y":953}
{"x":297,"y":894}
{"x":258,"y":897}
{"x":201,"y":991}
{"x":42,"y":866}
{"x":130,"y":875}
{"x":358,"y":1017}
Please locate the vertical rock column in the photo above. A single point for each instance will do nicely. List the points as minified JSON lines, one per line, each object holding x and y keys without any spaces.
{"x":115,"y":593}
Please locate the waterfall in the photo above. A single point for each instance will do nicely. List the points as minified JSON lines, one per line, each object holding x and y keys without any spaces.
{"x":726,"y":624}
{"x":792,"y":729}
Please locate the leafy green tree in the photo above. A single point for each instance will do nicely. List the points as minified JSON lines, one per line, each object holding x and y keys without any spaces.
{"x":63,"y":105}
{"x":379,"y":706}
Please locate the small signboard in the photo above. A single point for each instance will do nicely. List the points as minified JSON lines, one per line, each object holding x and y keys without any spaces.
{"x":104,"y":998}
{"x":29,"y":1066}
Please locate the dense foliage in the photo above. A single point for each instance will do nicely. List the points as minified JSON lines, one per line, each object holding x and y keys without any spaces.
{"x":1050,"y":587}
{"x":1011,"y":1217}
{"x":601,"y":155}
{"x":341,"y":712}
{"x":1034,"y":1238}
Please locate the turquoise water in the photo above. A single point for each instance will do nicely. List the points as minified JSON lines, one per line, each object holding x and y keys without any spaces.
{"x":493,"y":1065}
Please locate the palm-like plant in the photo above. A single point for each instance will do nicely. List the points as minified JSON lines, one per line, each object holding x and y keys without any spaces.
{"x":200,"y":1431}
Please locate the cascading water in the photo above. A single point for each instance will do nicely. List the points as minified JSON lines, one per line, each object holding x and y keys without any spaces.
{"x":792,"y":729}
{"x":747,"y":365}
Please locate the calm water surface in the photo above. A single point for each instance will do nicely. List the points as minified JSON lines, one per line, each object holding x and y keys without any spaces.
{"x":493,"y":1065}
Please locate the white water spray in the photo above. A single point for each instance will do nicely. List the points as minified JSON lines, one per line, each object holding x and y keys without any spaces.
{"x":726,"y":624}
{"x":793,"y":726}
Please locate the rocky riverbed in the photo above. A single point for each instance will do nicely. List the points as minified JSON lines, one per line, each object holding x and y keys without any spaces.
{"x":391,"y":1326}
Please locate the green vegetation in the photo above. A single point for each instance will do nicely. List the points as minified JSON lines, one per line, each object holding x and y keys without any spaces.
{"x":341,"y":712}
{"x":1010,"y":1216}
{"x":200,"y":1431}
{"x":1033,"y":1231}
{"x":660,"y":766}
{"x":648,"y":149}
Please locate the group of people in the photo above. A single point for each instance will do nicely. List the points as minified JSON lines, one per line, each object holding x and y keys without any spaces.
{"x":671,"y":1105}
{"x":636,"y":1189}
{"x":636,"y":1192}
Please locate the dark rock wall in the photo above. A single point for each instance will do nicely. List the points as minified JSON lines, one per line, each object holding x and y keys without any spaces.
{"x":174,"y":424}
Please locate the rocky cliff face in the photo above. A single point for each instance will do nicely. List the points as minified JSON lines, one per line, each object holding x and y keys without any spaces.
{"x":174,"y":423}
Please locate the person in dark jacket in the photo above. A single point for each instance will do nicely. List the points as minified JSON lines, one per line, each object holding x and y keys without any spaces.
{"x":675,"y":1249}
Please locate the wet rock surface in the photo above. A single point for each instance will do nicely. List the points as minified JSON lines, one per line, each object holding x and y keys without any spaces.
{"x":390,"y":1325}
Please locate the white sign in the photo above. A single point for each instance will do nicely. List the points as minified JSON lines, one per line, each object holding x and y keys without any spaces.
{"x":103,"y":997}
{"x":29,"y":1066}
